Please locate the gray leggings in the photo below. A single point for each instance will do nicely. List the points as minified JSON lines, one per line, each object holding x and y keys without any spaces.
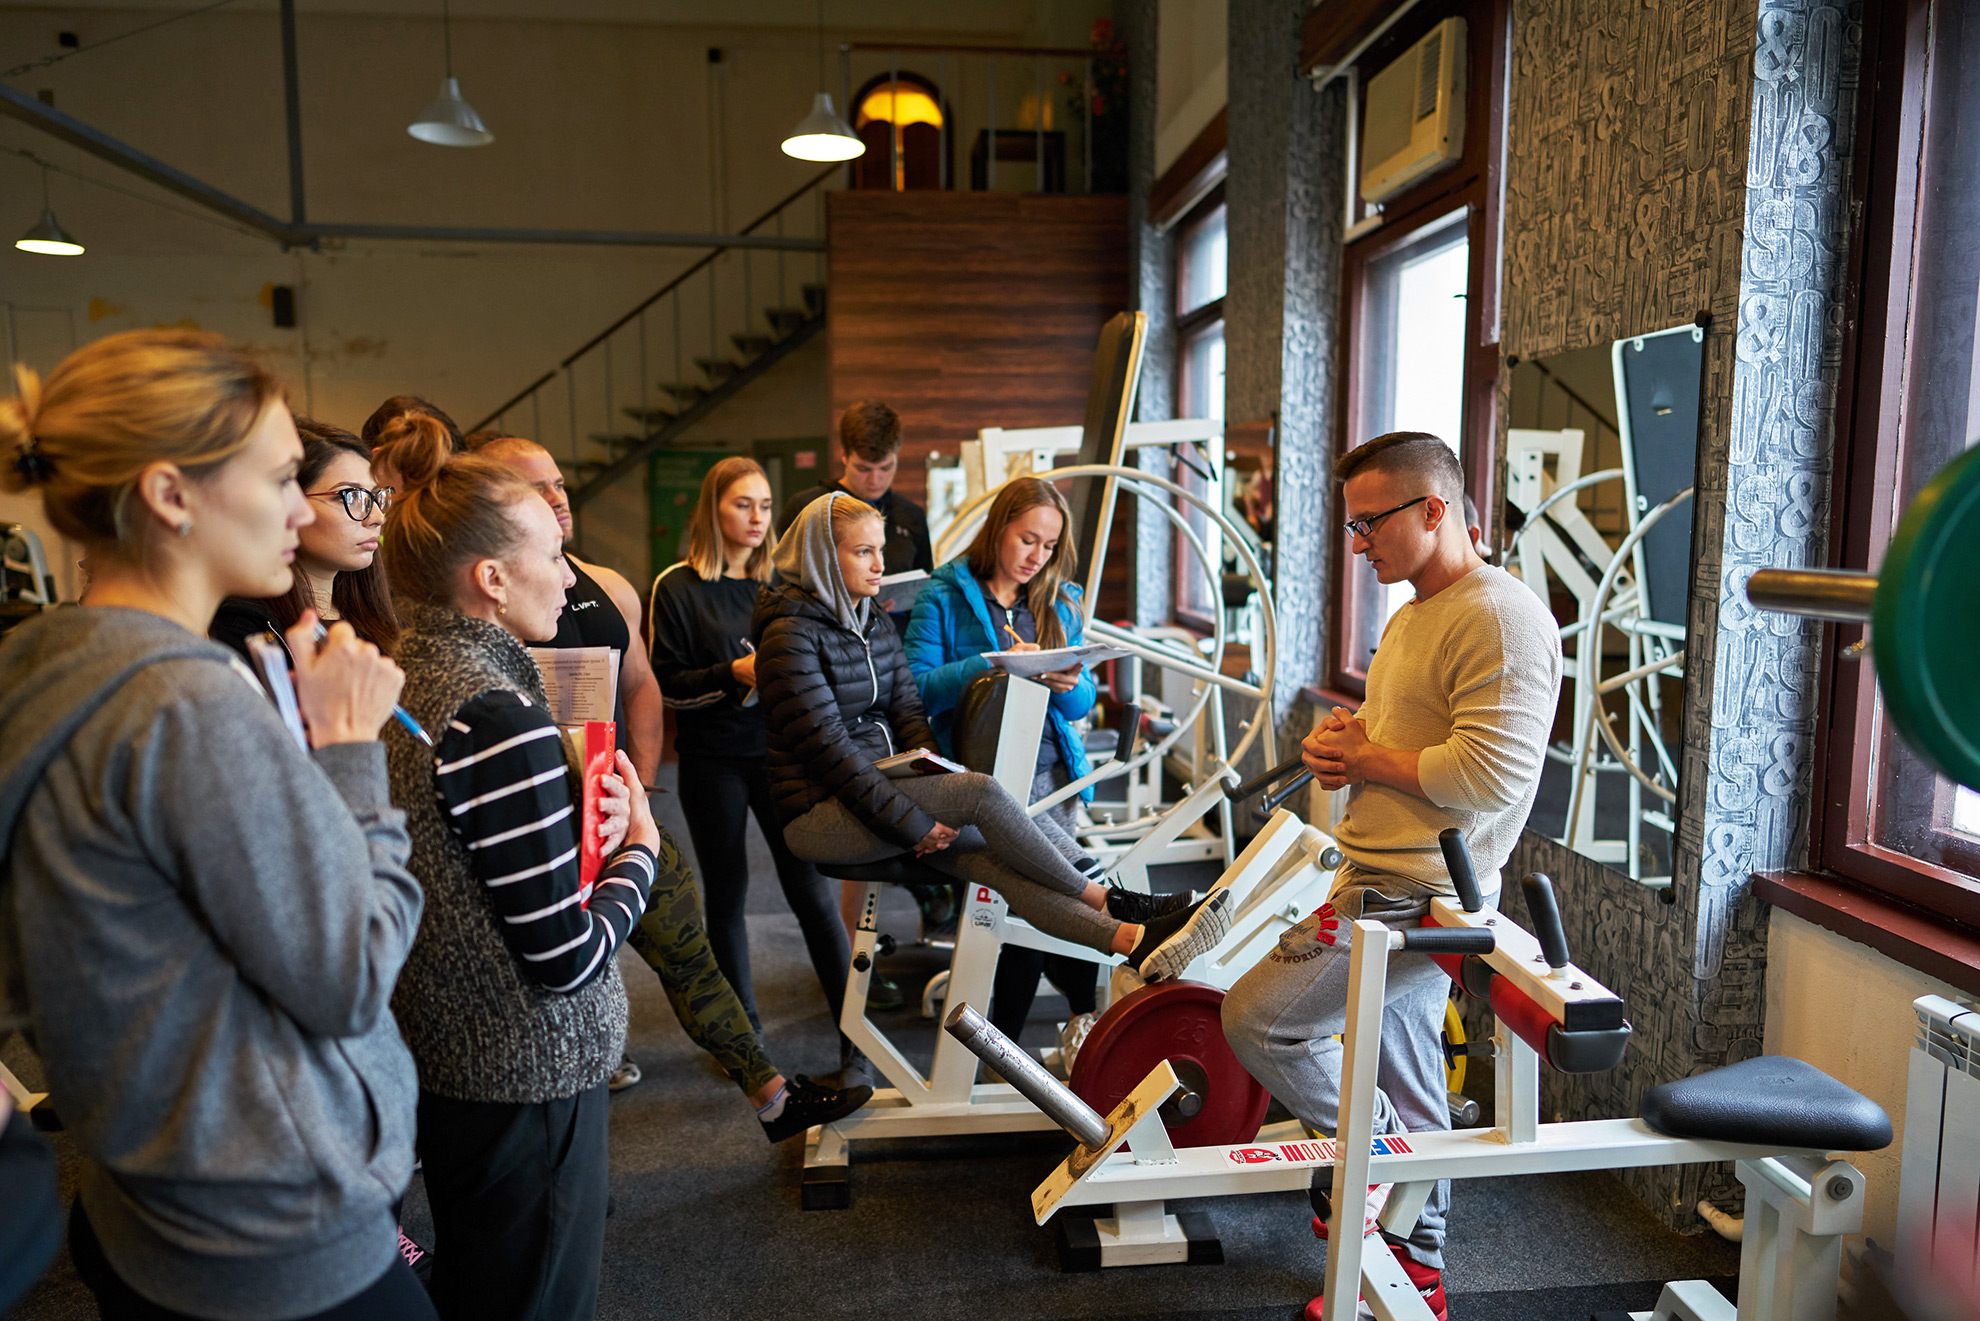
{"x":1280,"y":1019}
{"x":1028,"y":860}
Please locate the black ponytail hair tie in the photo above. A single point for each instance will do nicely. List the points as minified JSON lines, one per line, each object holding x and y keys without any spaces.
{"x":32,"y":464}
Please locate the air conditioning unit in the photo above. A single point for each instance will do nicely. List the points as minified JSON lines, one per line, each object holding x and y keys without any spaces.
{"x":1413,"y":121}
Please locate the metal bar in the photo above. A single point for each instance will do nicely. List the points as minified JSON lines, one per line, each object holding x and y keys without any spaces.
{"x":600,"y":237}
{"x":1038,"y":134}
{"x":29,"y":110}
{"x":1026,"y":1074}
{"x":292,"y":108}
{"x":1845,"y":595}
{"x":990,"y":177}
{"x":1368,"y":971}
{"x":1087,"y":118}
{"x":932,"y":47}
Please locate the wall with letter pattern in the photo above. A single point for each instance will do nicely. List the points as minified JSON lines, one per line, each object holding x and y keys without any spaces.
{"x":1663,"y":161}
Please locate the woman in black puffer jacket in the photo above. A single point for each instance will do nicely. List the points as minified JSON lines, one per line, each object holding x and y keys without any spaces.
{"x":838,"y":696}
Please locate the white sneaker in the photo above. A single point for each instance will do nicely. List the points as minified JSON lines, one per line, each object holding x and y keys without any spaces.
{"x":1208,"y":924}
{"x":1072,"y":1036}
{"x":626,"y":1075}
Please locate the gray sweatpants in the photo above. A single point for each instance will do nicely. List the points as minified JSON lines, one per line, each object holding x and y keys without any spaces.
{"x":1028,"y":860}
{"x":1282,"y":1016}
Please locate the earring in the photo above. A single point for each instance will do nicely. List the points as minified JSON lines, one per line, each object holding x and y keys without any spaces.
{"x":501,"y":609}
{"x":185,"y":529}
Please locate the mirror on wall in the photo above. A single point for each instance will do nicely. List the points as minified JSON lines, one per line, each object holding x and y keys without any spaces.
{"x":1601,"y":455}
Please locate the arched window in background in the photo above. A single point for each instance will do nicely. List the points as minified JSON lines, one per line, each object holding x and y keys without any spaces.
{"x":900,"y":120}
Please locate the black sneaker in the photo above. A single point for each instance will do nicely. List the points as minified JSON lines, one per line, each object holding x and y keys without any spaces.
{"x":884,"y":993}
{"x":807,"y":1103}
{"x":1134,"y":906}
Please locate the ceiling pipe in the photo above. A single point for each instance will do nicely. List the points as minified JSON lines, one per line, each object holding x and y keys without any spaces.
{"x":16,"y":104}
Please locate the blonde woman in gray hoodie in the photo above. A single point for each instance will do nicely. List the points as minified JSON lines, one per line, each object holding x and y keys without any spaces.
{"x":200,"y":921}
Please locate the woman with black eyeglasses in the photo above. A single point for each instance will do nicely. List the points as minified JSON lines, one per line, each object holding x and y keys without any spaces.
{"x":337,"y":570}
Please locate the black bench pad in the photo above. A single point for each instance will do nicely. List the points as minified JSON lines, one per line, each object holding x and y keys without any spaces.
{"x":904,"y":870}
{"x":1771,"y":1100}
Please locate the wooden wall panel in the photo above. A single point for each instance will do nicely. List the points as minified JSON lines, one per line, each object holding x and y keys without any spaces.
{"x":971,"y":310}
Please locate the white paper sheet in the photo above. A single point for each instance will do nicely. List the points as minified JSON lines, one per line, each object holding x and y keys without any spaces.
{"x":1031,"y":664}
{"x":580,"y":682}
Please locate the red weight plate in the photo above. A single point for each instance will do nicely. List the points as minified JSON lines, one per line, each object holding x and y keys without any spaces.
{"x":1180,"y":1022}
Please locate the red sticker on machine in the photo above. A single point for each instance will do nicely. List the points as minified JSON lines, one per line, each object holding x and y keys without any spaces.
{"x":1252,"y":1155}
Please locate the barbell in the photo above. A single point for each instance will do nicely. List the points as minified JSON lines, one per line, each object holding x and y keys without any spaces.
{"x":1923,"y":612}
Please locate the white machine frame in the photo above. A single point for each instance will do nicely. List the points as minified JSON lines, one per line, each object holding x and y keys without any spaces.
{"x":1800,"y":1203}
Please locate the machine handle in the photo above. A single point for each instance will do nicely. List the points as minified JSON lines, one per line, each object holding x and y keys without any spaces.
{"x":1844,"y":595}
{"x":1130,"y":732}
{"x":1022,"y":1071}
{"x":1546,"y":915}
{"x":1270,"y":803}
{"x":1238,"y":793}
{"x":1448,"y":940}
{"x":1457,"y":861}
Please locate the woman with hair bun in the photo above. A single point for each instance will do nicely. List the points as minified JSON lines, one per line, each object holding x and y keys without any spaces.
{"x":338,"y":572}
{"x":511,"y":999}
{"x":201,"y":923}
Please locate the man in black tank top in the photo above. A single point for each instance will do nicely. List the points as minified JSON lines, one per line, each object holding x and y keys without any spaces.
{"x":601,"y":610}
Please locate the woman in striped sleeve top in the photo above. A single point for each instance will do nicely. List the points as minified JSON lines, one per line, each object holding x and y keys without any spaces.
{"x":511,"y":1000}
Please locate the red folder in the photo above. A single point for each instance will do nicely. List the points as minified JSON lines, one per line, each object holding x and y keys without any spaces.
{"x":597,"y":753}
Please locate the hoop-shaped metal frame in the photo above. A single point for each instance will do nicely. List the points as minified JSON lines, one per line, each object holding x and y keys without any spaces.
{"x":1140,"y":482}
{"x":1598,"y":714}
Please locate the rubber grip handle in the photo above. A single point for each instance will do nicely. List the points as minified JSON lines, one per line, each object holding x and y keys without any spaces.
{"x":1238,"y":793}
{"x":1546,"y":915}
{"x":1457,"y":861}
{"x":1130,"y":732}
{"x":1449,"y":940}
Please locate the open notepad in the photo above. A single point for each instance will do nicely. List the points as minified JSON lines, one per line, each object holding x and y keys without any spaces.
{"x":915,"y":761}
{"x":1031,"y":664}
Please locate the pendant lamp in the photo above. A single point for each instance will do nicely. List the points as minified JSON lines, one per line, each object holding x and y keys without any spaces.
{"x":450,"y":121}
{"x":48,"y":237}
{"x":822,"y":135}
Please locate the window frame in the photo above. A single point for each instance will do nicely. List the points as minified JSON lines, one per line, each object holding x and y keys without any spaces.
{"x":1473,"y":185}
{"x":1880,"y":278}
{"x":1190,"y":326}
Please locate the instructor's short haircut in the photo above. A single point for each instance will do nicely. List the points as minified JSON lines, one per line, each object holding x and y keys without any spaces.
{"x":870,"y":430}
{"x":1410,"y":454}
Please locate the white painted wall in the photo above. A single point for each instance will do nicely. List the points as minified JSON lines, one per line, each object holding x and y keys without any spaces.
{"x":1190,"y":87}
{"x":1846,"y":1009}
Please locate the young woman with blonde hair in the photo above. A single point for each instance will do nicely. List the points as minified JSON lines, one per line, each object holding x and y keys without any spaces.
{"x":200,"y":922}
{"x":698,"y":620}
{"x":838,"y":696}
{"x":1009,"y":591}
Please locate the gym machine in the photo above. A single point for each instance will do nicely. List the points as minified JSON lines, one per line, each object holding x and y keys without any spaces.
{"x":1776,"y":1117}
{"x":1283,"y":873}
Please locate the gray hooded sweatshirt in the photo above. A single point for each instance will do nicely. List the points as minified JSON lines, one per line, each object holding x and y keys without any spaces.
{"x":200,"y":926}
{"x":807,"y":556}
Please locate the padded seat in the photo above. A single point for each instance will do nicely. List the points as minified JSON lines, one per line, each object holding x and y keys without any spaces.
{"x":903,"y":870}
{"x":1771,"y":1100}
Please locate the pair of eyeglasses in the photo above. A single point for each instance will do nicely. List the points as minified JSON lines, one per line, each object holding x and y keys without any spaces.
{"x":1363,"y":527}
{"x":358,"y":502}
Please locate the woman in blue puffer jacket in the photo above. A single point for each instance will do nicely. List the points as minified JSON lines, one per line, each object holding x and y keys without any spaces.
{"x":1009,"y":590}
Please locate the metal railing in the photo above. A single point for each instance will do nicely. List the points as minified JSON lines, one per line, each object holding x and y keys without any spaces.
{"x":1021,"y":118}
{"x":1558,"y":406}
{"x":678,"y":346}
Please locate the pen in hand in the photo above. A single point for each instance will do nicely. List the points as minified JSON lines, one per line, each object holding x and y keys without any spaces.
{"x":399,"y":713}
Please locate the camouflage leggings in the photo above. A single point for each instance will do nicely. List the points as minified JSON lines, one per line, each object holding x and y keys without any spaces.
{"x":675,"y":945}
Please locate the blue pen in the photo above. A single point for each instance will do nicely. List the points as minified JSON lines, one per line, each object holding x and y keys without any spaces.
{"x":399,"y":713}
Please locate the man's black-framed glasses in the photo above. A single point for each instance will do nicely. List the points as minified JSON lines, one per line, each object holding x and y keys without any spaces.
{"x":1365,"y":527}
{"x":357,"y":501}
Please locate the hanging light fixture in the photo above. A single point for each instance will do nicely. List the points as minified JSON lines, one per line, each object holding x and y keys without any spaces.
{"x":450,"y":121}
{"x":822,"y":135}
{"x":48,"y":237}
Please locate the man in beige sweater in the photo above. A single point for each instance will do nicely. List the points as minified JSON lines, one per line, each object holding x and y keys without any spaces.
{"x":1461,"y":696}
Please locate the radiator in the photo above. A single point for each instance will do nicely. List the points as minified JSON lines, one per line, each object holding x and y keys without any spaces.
{"x":1939,"y":1186}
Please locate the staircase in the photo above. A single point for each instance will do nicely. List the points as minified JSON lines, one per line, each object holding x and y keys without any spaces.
{"x":712,"y":324}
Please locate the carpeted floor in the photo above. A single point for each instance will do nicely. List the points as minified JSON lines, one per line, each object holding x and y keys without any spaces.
{"x":706,"y":1221}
